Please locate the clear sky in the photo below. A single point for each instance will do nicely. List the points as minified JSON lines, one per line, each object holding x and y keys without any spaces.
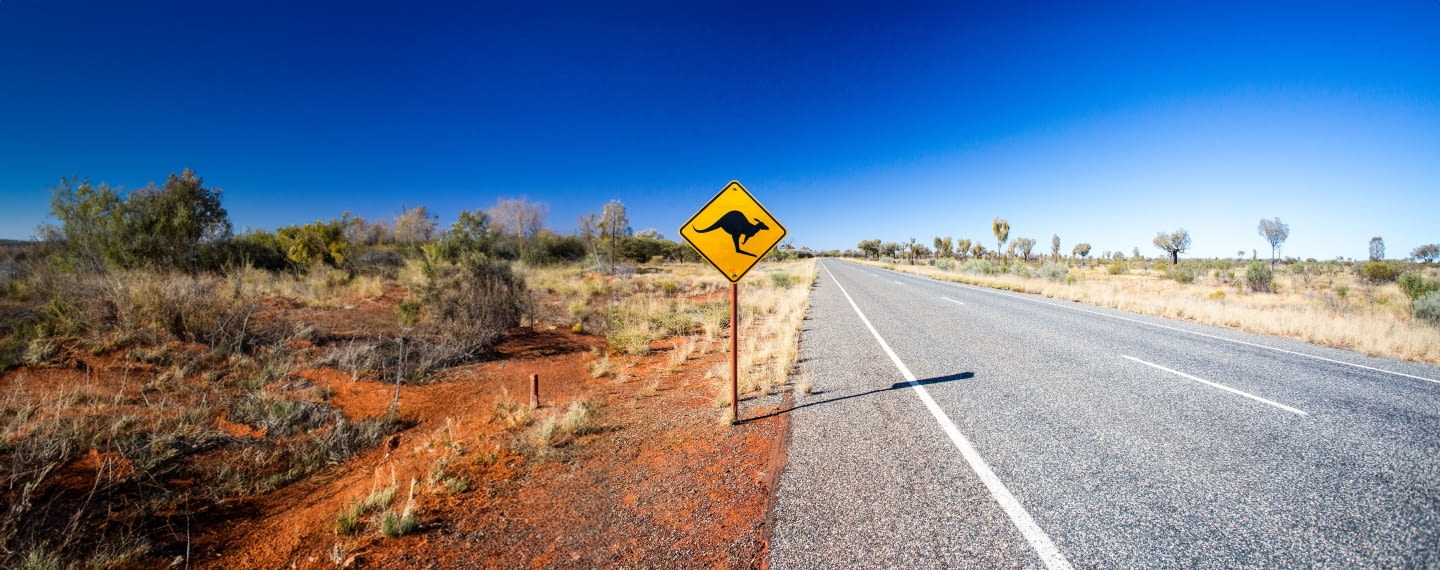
{"x":1100,"y":122}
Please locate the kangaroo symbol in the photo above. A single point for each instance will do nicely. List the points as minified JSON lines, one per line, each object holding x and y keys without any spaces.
{"x":739,"y":228}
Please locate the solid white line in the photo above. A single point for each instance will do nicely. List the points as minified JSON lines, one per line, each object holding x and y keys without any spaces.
{"x":1022,"y":520}
{"x":953,"y":301}
{"x":1221,"y":386}
{"x":1084,"y":310}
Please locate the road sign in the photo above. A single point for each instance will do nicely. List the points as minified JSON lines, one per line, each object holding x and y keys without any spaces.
{"x":733,"y":231}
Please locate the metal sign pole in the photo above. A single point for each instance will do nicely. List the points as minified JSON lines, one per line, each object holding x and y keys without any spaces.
{"x":734,"y":353}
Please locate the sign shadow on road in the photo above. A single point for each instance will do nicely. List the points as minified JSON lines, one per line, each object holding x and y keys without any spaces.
{"x":895,"y":386}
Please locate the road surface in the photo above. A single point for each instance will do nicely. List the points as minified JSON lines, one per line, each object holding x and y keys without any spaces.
{"x":952,"y":426}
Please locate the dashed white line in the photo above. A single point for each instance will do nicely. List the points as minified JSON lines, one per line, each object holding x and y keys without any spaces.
{"x":1177,"y":329}
{"x":953,"y":301}
{"x":1221,"y":386}
{"x":1049,"y":554}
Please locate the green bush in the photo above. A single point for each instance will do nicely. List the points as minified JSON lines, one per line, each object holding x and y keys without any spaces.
{"x":1378,"y":272}
{"x":978,"y":267}
{"x":1416,"y":286}
{"x":781,"y":280}
{"x":468,"y":311}
{"x":163,"y":227}
{"x":1184,"y":273}
{"x":945,"y":264}
{"x":1427,"y":307}
{"x":1259,"y":277}
{"x":1118,"y":267}
{"x":1054,"y":271}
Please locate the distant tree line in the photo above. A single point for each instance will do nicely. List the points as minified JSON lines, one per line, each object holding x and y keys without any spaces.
{"x":182,"y":225}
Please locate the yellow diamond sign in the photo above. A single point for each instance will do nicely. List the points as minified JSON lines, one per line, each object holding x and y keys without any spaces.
{"x":733,"y":231}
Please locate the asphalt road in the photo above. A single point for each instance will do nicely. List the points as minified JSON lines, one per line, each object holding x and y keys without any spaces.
{"x":991,"y":429}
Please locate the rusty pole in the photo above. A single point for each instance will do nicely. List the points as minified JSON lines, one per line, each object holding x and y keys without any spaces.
{"x":734,"y":353}
{"x":534,"y":391}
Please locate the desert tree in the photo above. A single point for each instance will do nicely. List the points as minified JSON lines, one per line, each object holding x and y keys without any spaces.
{"x":1173,"y":243}
{"x":890,"y":249}
{"x":1135,"y":254}
{"x":613,"y":225}
{"x":471,"y":232}
{"x":160,"y":226}
{"x":415,"y":226}
{"x":1025,"y":246}
{"x":962,"y":247}
{"x":944,"y":247}
{"x":870,"y":248}
{"x":588,"y":228}
{"x":1275,"y":232}
{"x":1081,"y":250}
{"x":917,"y":250}
{"x":1055,"y":247}
{"x":978,"y":251}
{"x":1001,"y":228}
{"x":1426,"y":253}
{"x":518,"y":218}
{"x":1377,"y":248}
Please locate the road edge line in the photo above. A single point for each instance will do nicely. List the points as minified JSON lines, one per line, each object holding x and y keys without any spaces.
{"x":1039,"y":541}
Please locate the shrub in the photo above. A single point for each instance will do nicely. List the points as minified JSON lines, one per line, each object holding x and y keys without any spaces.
{"x":1259,"y":277}
{"x":1377,"y":272}
{"x":1427,"y":307}
{"x":1181,"y":273}
{"x":1416,"y":286}
{"x":978,"y":267}
{"x":1054,"y":271}
{"x":945,"y":264}
{"x":781,"y":279}
{"x":1118,"y":267}
{"x":468,"y":312}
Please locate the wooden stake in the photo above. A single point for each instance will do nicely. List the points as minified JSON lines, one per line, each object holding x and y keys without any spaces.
{"x":534,"y":391}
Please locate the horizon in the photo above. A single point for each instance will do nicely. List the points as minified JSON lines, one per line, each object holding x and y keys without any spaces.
{"x":1102,"y":124}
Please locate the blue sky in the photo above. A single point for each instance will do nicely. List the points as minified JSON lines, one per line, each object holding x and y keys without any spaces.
{"x":1100,"y":122}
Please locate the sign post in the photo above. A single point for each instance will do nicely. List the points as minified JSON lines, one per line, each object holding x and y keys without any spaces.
{"x":733,"y":232}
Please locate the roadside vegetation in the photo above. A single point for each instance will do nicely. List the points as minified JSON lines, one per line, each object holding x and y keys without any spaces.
{"x":1379,"y":306}
{"x":154,"y":365}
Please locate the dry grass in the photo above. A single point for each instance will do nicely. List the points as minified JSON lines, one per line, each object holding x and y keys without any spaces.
{"x":1323,"y":304}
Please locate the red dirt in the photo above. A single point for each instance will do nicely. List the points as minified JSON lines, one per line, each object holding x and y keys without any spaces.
{"x":661,"y":482}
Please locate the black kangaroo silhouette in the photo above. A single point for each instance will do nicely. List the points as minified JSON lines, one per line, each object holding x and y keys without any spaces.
{"x":739,"y":228}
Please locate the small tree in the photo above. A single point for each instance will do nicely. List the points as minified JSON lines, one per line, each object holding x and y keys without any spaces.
{"x":1377,"y":248}
{"x":1001,"y":229}
{"x":944,"y":247}
{"x":1174,"y":243}
{"x":1025,"y":246}
{"x":613,"y":225}
{"x":962,"y":247}
{"x":869,"y":247}
{"x":977,"y":251}
{"x":161,"y":226}
{"x":1426,"y":253}
{"x":1055,"y":247}
{"x":415,"y":226}
{"x":1081,"y":250}
{"x":1275,"y":232}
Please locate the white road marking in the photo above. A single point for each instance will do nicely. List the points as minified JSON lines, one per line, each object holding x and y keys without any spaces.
{"x":1177,"y":329}
{"x":897,"y":282}
{"x":953,"y":301}
{"x":1221,"y":386}
{"x":1021,"y":518}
